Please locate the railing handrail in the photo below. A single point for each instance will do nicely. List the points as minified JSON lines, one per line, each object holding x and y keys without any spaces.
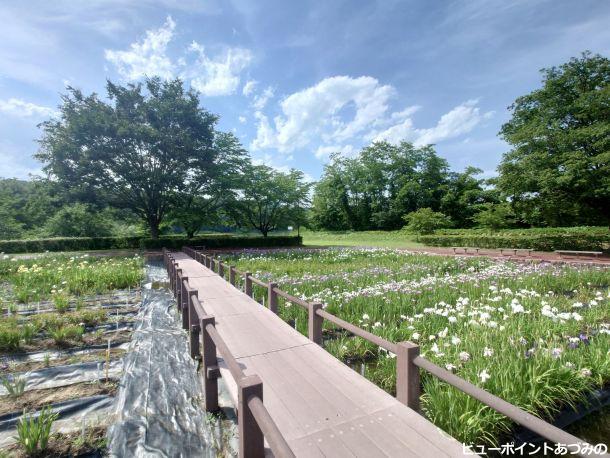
{"x":254,"y":402}
{"x":518,"y":415}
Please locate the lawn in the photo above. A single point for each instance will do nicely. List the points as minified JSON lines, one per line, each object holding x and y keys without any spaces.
{"x":388,"y":239}
{"x":535,"y":335}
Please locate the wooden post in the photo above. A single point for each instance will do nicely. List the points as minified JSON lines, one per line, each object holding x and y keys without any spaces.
{"x":251,"y":439}
{"x":178,"y":287}
{"x":315,"y":323}
{"x":232,"y":275}
{"x":184,"y":303}
{"x":248,"y":281}
{"x":221,"y":269}
{"x":272,"y":297}
{"x":209,"y":366}
{"x":193,"y":326}
{"x":212,"y":264}
{"x":407,"y":374}
{"x":207,"y":260}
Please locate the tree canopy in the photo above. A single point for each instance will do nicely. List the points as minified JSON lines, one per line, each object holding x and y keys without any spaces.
{"x":138,"y":151}
{"x":558,"y":171}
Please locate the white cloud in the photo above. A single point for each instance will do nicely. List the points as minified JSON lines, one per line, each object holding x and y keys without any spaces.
{"x":210,"y":75}
{"x":23,"y":109}
{"x":146,"y":57}
{"x":260,"y":100}
{"x":319,"y":111}
{"x":242,"y":119}
{"x":460,"y":120}
{"x":249,"y":87}
{"x":219,"y":75}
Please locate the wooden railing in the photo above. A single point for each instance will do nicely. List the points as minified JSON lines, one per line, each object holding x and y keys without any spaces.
{"x":254,"y":421}
{"x":408,"y":360}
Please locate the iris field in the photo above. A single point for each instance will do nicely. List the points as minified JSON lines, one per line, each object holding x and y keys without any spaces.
{"x":537,"y":335}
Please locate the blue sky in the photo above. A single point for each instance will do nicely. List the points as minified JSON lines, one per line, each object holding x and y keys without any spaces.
{"x":298,"y":80}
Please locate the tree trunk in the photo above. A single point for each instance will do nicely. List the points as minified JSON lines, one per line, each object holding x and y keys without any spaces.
{"x":154,"y":228}
{"x":190,"y":233}
{"x":264,"y":232}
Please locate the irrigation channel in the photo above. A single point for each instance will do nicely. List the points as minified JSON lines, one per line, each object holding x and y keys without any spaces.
{"x":132,"y":383}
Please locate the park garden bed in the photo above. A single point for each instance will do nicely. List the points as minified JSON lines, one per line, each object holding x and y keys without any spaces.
{"x":536,"y":335}
{"x":64,"y":326}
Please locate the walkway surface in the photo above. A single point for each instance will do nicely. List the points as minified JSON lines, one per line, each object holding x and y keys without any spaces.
{"x":321,"y":406}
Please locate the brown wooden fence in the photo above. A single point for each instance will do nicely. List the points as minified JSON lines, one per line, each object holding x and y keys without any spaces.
{"x":408,"y":361}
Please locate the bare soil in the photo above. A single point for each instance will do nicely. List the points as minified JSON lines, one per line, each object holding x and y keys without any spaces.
{"x":37,"y":399}
{"x":94,"y":355}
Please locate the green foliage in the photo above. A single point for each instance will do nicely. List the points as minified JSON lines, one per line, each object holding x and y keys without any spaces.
{"x":495,"y":216}
{"x":558,"y":172}
{"x":111,"y":243}
{"x":586,"y":239}
{"x":14,"y":386}
{"x":78,"y":220}
{"x":384,"y":182}
{"x":271,"y":199}
{"x":134,"y":152}
{"x":426,"y":221}
{"x":34,"y":431}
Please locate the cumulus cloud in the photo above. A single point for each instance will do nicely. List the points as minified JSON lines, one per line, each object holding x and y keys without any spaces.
{"x":147,"y":56}
{"x":211,"y":75}
{"x":260,"y":100}
{"x":249,"y":87}
{"x":23,"y":109}
{"x":218,"y":75}
{"x":242,"y":119}
{"x":319,"y":111}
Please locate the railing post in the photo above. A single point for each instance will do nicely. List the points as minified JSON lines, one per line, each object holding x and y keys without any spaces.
{"x":178,"y":287}
{"x":207,"y":261}
{"x":232,"y":275}
{"x":193,"y":325}
{"x":209,"y":365}
{"x":251,"y":439}
{"x":212,"y":264}
{"x":248,"y":281}
{"x":272,"y":297}
{"x":315,"y":323}
{"x":221,"y":269}
{"x":184,"y":302}
{"x":407,"y":375}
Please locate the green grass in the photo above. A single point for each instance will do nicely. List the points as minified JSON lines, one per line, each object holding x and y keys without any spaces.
{"x":388,"y":239}
{"x":537,"y":336}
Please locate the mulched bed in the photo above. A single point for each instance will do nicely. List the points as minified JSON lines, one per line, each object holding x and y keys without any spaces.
{"x":37,"y":399}
{"x":61,"y":445}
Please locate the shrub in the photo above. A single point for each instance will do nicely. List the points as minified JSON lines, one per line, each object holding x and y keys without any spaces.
{"x":426,"y":221}
{"x":495,"y":216}
{"x":537,"y":240}
{"x":33,"y":432}
{"x":111,"y":243}
{"x":78,"y":220}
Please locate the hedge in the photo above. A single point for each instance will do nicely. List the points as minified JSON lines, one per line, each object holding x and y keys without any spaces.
{"x":538,"y":241}
{"x":113,"y":243}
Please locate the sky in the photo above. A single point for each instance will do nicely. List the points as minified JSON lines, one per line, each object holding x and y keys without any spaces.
{"x":296,"y":81}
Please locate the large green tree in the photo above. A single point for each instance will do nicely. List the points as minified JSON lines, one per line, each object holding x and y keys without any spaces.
{"x":137,"y":150}
{"x":270,"y":199}
{"x":558,"y":171}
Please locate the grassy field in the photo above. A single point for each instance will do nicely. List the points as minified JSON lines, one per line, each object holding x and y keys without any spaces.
{"x":388,"y":239}
{"x":535,"y":335}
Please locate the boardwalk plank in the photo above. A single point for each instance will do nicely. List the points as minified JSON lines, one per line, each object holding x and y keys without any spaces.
{"x":321,"y":406}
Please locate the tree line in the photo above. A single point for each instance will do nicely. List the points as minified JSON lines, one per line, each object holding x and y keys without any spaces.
{"x":556,"y":174}
{"x":149,"y":157}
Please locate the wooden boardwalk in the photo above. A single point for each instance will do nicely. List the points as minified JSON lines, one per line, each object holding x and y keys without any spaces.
{"x":321,"y":406}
